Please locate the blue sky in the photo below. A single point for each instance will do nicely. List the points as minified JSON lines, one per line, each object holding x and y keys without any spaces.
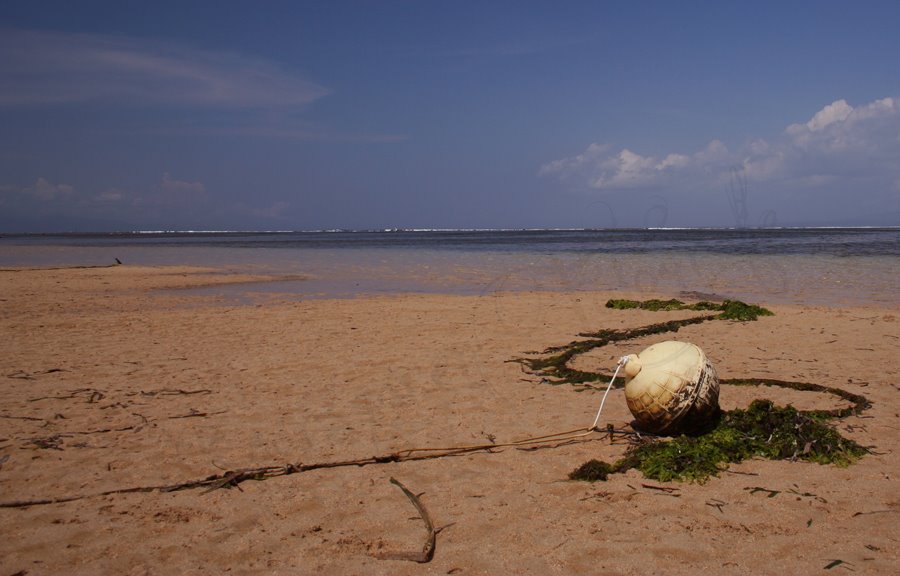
{"x":316,"y":115}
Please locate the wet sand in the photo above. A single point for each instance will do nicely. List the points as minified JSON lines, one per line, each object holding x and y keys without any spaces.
{"x":110,"y":381}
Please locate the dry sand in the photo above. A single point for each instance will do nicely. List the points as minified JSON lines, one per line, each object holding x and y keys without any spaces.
{"x":125,"y":384}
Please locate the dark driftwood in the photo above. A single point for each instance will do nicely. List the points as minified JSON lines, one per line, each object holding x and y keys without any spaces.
{"x":427,"y":552}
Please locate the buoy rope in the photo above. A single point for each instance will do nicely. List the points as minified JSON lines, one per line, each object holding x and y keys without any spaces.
{"x":234,"y":477}
{"x":622,"y":362}
{"x":557,"y":437}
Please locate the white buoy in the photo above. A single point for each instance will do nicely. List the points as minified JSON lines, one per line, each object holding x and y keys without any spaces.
{"x":671,"y":388}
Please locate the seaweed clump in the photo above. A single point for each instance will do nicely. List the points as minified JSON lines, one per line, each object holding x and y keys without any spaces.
{"x":654,"y":304}
{"x":728,"y":309}
{"x":737,"y":310}
{"x":593,"y":470}
{"x":762,"y":430}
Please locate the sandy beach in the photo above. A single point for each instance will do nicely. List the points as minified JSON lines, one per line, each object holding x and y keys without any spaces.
{"x":114,"y":378}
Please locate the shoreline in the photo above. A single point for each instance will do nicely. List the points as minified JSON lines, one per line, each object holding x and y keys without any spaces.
{"x":776,"y":281}
{"x":835,"y":268}
{"x":156,"y":387}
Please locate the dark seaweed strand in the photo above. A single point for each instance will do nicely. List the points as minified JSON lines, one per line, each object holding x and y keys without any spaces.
{"x":728,"y":309}
{"x":554,"y":368}
{"x":859,"y":402}
{"x":556,"y":365}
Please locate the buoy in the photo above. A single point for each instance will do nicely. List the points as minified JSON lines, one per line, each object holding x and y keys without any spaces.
{"x":672,"y":388}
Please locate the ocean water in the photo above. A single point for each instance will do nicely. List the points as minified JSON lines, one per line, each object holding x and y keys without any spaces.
{"x":834,"y":266}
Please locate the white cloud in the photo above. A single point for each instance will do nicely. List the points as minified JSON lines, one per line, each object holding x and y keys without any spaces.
{"x":607,"y":170}
{"x":839,"y":127}
{"x":840,"y":146}
{"x":45,"y":191}
{"x":41,"y":68}
{"x":835,"y":112}
{"x":567,"y":166}
{"x":112,"y":195}
{"x":840,"y":114}
{"x":173,"y":186}
{"x":674,"y":161}
{"x":626,"y":170}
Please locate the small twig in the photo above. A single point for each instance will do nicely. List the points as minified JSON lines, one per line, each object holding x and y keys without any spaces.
{"x":555,"y":445}
{"x":94,"y":395}
{"x":106,"y":430}
{"x":22,"y":418}
{"x":771,"y":493}
{"x":666,"y":489}
{"x":835,"y":563}
{"x":173,"y":392}
{"x":730,"y":471}
{"x":560,"y":545}
{"x":195,"y":414}
{"x":855,"y":514}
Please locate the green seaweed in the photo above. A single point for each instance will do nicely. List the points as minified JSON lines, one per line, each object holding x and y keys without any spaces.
{"x":729,"y":309}
{"x":654,"y":304}
{"x":762,"y":430}
{"x":737,"y":310}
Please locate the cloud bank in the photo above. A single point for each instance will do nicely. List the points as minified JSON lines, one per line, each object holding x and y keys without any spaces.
{"x":49,"y":68}
{"x":841,"y":151}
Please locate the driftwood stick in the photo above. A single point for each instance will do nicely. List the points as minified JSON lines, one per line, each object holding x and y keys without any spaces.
{"x":427,"y":552}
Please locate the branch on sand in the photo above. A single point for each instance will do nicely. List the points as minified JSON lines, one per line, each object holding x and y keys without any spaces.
{"x":427,"y":552}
